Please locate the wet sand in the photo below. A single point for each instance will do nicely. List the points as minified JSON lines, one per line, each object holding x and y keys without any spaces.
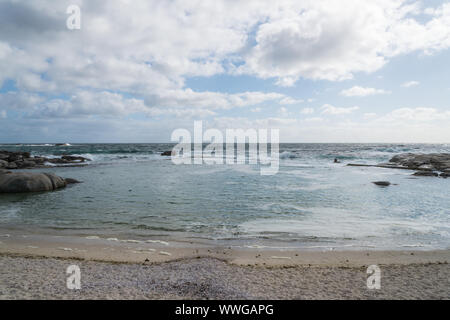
{"x":34,"y":267}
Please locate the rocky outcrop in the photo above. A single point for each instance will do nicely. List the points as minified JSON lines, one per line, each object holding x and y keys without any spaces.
{"x":426,"y":174}
{"x":382,"y":183}
{"x":19,"y":182}
{"x":71,"y":181}
{"x":23,"y":160}
{"x":429,"y":165}
{"x":424,"y":162}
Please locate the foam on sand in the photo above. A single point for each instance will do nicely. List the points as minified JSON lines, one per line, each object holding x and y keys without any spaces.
{"x":93,"y":238}
{"x":158,"y":241}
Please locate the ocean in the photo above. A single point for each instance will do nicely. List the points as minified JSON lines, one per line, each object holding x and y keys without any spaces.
{"x":130,"y":191}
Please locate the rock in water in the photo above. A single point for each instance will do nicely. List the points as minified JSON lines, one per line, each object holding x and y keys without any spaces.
{"x":167,"y":154}
{"x":71,"y":181}
{"x":425,"y":174}
{"x":445,"y":175}
{"x":382,"y":183}
{"x":23,"y":160}
{"x":428,"y":162}
{"x":74,"y":158}
{"x":19,"y":182}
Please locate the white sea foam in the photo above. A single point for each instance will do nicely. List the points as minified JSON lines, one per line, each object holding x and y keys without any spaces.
{"x":131,"y":241}
{"x":158,"y":241}
{"x":285,"y":258}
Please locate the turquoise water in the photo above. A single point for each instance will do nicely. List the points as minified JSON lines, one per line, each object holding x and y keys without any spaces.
{"x":129,"y":190}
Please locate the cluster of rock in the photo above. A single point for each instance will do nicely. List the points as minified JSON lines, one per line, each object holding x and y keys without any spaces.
{"x":23,"y":160}
{"x":425,"y":165}
{"x":432,"y":164}
{"x":19,"y":182}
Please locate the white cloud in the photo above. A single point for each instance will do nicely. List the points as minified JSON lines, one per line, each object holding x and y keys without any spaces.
{"x":286,"y":81}
{"x":137,"y":57}
{"x":283,"y":112}
{"x":369,"y":115}
{"x":411,"y":115}
{"x":410,"y":84}
{"x":358,"y":91}
{"x":307,"y":111}
{"x":404,"y":125}
{"x":158,"y":49}
{"x":324,"y":40}
{"x":332,"y":110}
{"x":314,"y":119}
{"x":289,"y":100}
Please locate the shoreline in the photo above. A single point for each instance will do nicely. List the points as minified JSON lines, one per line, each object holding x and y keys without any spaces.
{"x":93,"y":248}
{"x":160,"y":270}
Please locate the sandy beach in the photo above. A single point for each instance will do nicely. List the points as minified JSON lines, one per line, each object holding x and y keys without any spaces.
{"x":34,"y":267}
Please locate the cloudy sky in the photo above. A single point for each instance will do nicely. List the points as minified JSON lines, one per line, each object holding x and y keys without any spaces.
{"x":320,"y":71}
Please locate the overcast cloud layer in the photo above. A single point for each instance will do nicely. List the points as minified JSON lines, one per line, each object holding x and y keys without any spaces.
{"x":309,"y":68}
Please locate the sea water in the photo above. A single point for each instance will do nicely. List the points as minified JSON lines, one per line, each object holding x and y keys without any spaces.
{"x":130,"y":191}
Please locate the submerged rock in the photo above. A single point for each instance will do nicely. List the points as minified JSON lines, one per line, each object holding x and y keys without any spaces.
{"x":382,"y":183}
{"x":71,"y":181}
{"x":425,"y":174}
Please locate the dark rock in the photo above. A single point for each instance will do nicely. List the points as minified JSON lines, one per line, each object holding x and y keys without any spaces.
{"x":382,"y":183}
{"x":431,"y":161}
{"x":11,"y":165}
{"x":19,"y":182}
{"x":57,"y":161}
{"x":25,"y":164}
{"x":445,"y":175}
{"x":71,"y":181}
{"x":38,"y":160}
{"x":75,"y":159}
{"x":167,"y":153}
{"x":23,"y":160}
{"x":425,"y":174}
